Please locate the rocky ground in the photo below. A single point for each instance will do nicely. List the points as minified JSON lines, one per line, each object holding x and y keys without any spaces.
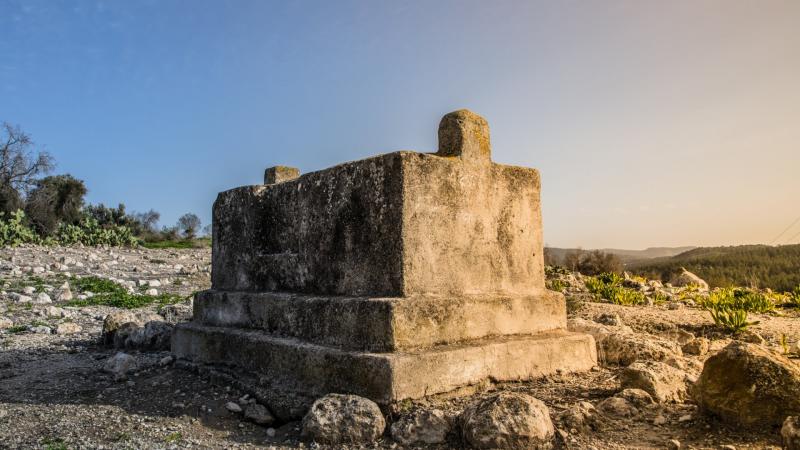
{"x":59,"y":387}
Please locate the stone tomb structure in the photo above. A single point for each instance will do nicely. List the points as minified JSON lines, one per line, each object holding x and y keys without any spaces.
{"x":394,"y":277}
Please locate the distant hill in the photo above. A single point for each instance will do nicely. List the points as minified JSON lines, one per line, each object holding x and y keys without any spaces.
{"x":627,"y":256}
{"x":762,"y":266}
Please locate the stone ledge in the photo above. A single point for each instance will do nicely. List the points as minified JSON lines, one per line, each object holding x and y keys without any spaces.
{"x":382,"y":324}
{"x":309,"y":370}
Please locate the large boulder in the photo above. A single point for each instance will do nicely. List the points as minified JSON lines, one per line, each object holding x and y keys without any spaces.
{"x":115,"y":321}
{"x":686,"y":278}
{"x":508,"y":420}
{"x":423,"y":426}
{"x":343,"y":419}
{"x":749,"y":385}
{"x":663,"y":382}
{"x":620,"y":345}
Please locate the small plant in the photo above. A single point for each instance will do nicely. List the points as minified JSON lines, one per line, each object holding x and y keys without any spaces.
{"x":609,"y":286}
{"x":54,"y":444}
{"x":556,"y":285}
{"x":729,"y":318}
{"x":109,"y":293}
{"x":729,"y":307}
{"x":792,"y":299}
{"x":173,"y":437}
{"x":659,"y":298}
{"x":17,"y":329}
{"x":97,"y":285}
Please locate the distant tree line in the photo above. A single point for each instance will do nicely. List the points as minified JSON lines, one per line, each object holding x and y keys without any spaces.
{"x":757,"y":266}
{"x":36,"y":207}
{"x":592,"y":262}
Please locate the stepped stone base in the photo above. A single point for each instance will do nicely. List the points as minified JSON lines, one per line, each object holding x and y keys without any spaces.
{"x":290,"y":373}
{"x":382,"y":324}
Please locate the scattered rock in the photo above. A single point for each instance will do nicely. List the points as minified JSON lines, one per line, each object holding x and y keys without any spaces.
{"x":751,"y":337}
{"x":179,"y":312}
{"x":697,"y":346}
{"x":679,"y":335}
{"x":152,"y":292}
{"x":790,"y":433}
{"x":233,"y":407}
{"x":167,"y":360}
{"x":154,"y":335}
{"x":663,"y":382}
{"x":617,"y":406}
{"x":343,"y":419}
{"x":748,"y":385}
{"x":54,"y":311}
{"x":68,"y":328}
{"x":580,"y":417}
{"x":637,"y":397}
{"x":42,"y":298}
{"x":659,"y":420}
{"x":120,"y":365}
{"x":621,"y":346}
{"x":40,"y":329}
{"x":259,"y":414}
{"x":114,"y":321}
{"x":609,"y":319}
{"x":421,"y":427}
{"x":686,"y":278}
{"x":508,"y":420}
{"x":674,"y":444}
{"x":64,"y":295}
{"x":19,"y":298}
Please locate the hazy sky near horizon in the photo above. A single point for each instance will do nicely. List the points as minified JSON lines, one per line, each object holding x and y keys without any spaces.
{"x":653,"y":123}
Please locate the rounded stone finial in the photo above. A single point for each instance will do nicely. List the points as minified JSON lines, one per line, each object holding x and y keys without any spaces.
{"x":278,"y":174}
{"x":465,"y":134}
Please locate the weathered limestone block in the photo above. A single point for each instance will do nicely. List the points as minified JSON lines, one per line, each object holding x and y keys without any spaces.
{"x":279,"y":174}
{"x":393,"y":277}
{"x":391,"y":225}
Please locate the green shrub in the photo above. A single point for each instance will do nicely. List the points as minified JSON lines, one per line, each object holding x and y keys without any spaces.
{"x":14,"y":230}
{"x":89,"y":232}
{"x":609,"y":286}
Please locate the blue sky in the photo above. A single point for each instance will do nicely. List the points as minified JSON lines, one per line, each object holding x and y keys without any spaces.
{"x":653,"y":123}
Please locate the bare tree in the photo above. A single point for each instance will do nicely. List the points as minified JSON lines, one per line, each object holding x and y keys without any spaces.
{"x":20,"y":166}
{"x":147,"y":221}
{"x":188,"y":224}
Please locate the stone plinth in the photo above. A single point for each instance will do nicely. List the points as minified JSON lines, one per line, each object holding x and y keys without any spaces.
{"x":393,"y":277}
